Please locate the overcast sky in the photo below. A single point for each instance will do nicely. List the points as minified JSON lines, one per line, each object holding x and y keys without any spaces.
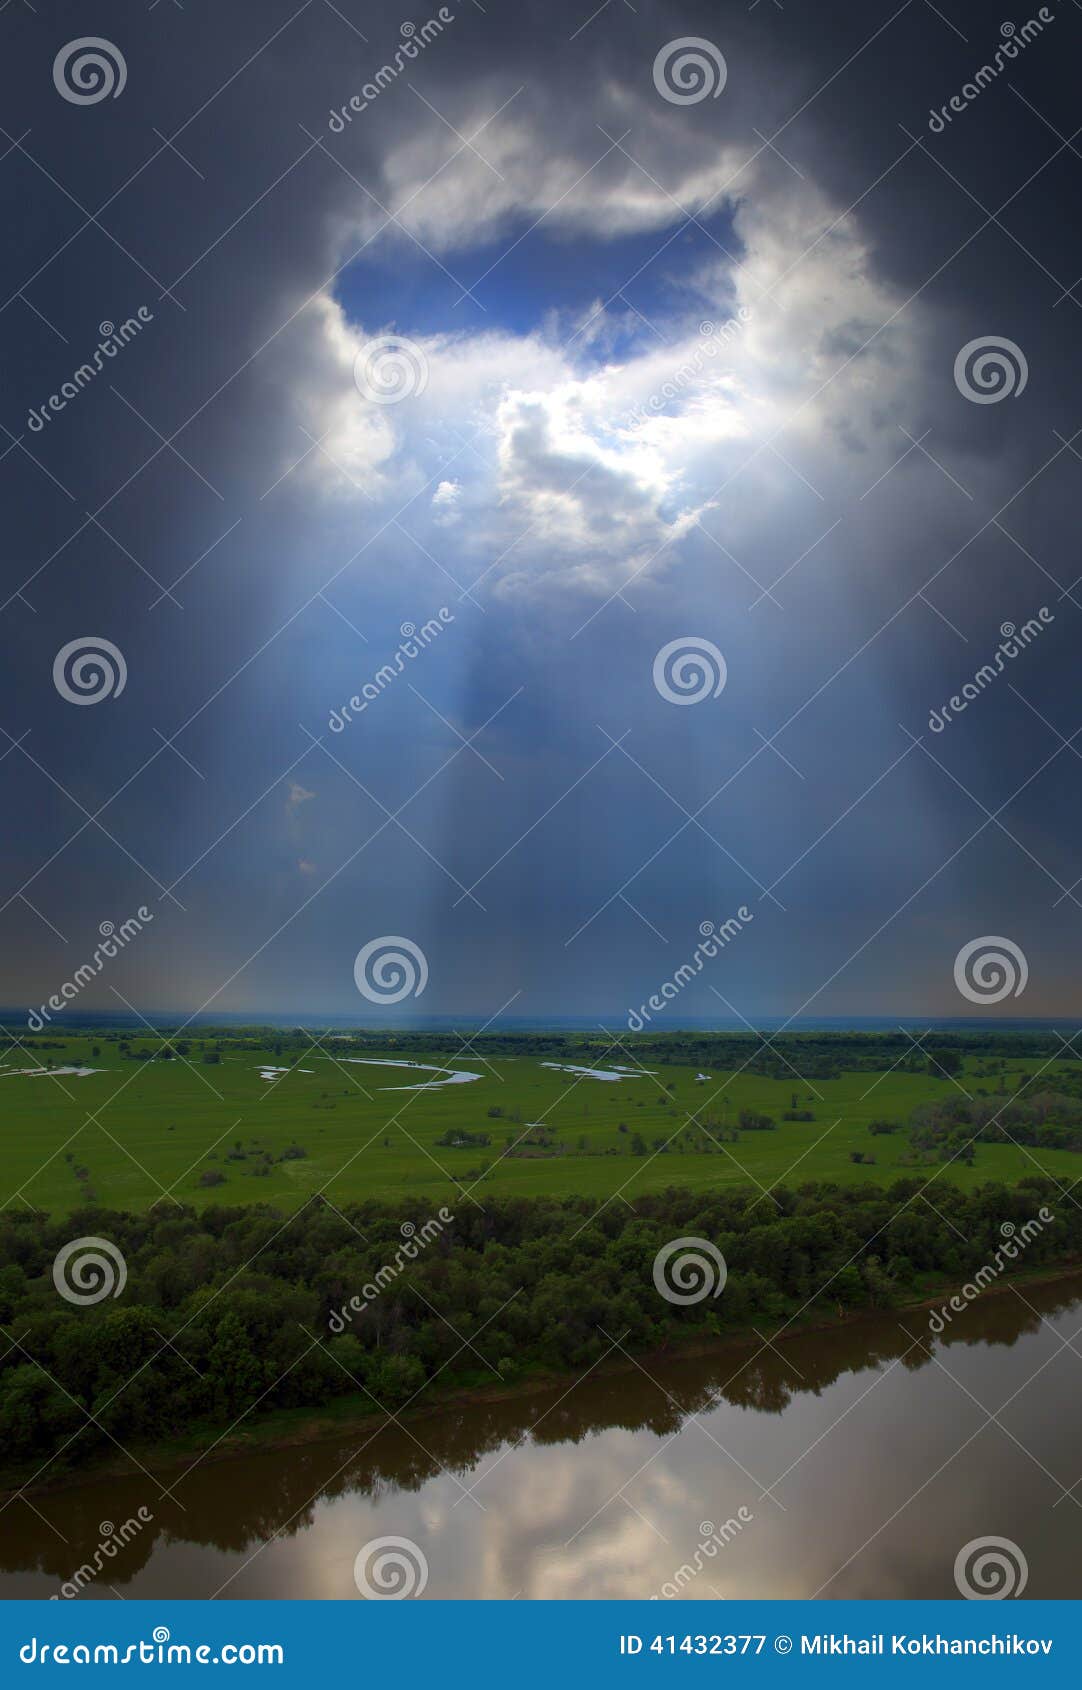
{"x":569,"y":342}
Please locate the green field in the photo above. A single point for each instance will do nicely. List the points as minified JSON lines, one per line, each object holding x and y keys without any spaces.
{"x":142,"y":1132}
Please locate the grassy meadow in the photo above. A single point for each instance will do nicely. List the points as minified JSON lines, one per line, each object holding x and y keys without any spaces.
{"x":139,"y":1132}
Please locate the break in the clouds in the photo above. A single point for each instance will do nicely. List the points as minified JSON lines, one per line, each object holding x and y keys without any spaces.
{"x":600,"y":438}
{"x":520,"y":350}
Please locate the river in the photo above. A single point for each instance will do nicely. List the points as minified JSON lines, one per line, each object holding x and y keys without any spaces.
{"x":850,"y":1462}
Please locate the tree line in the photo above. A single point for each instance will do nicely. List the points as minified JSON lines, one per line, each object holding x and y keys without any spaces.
{"x":227,"y":1310}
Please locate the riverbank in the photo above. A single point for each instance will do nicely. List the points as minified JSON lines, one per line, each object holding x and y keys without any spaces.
{"x":170,"y":1460}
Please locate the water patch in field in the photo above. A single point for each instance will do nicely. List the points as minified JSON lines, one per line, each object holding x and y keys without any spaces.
{"x":451,"y":1076}
{"x":276,"y":1073}
{"x":600,"y":1073}
{"x":57,"y":1073}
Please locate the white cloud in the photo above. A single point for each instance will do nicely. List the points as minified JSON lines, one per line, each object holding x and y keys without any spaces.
{"x":576,"y":175}
{"x":445,"y":503}
{"x":583,"y":473}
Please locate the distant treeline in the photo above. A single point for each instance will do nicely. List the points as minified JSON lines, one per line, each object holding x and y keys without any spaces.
{"x":235,"y":1309}
{"x":814,"y":1055}
{"x":1047,"y":1120}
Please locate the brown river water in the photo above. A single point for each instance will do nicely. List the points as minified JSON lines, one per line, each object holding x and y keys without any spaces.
{"x":856,"y":1461}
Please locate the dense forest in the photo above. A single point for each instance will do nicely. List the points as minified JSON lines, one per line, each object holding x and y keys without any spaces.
{"x":235,"y":1310}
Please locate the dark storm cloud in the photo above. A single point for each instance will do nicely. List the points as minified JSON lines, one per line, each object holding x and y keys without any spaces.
{"x":235,"y":232}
